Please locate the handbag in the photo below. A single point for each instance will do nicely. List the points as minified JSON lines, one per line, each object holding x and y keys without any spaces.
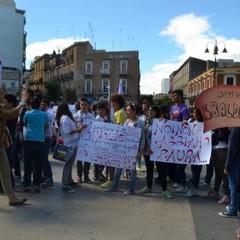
{"x":63,"y":153}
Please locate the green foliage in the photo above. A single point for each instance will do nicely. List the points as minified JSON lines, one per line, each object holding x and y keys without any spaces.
{"x":192,"y":100}
{"x":149,"y":97}
{"x":164,"y":101}
{"x":53,"y":92}
{"x":70,"y":95}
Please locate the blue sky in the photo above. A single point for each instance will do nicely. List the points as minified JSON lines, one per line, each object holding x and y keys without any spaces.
{"x":165,"y":33}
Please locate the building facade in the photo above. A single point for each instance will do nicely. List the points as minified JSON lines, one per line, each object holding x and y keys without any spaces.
{"x":165,"y":85}
{"x":227,"y":75}
{"x":12,"y":45}
{"x":93,"y":73}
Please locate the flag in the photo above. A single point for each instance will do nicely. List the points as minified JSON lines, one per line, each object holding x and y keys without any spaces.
{"x":0,"y":71}
{"x":120,"y":87}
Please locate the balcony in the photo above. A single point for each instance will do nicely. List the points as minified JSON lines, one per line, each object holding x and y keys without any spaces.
{"x":104,"y":72}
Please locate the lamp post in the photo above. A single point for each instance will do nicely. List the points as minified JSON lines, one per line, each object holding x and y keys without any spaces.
{"x":215,"y":53}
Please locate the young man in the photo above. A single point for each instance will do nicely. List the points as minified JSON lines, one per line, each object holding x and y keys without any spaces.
{"x":179,"y":112}
{"x":118,"y":118}
{"x":50,"y":131}
{"x":82,"y":117}
{"x":35,"y":122}
{"x":101,"y":117}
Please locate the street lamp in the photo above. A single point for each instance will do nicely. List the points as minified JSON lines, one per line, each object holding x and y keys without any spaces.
{"x":215,"y":53}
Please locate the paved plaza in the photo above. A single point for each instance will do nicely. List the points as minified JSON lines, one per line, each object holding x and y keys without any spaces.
{"x":93,"y":214}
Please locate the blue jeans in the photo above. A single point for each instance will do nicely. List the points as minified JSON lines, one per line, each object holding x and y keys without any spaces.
{"x":234,"y":180}
{"x":47,"y":169}
{"x":118,"y":173}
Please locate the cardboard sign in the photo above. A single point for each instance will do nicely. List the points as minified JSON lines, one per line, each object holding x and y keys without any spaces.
{"x":175,"y":142}
{"x":220,"y":107}
{"x":109,"y":144}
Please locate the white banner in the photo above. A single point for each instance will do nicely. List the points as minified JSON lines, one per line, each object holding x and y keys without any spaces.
{"x":175,"y":142}
{"x":1,"y":72}
{"x":109,"y":144}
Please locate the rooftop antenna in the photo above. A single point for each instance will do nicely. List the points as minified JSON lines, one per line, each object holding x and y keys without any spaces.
{"x":91,"y":32}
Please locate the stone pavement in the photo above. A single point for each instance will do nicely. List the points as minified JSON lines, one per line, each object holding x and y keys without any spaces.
{"x":93,"y":214}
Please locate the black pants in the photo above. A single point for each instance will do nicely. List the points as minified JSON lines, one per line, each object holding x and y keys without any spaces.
{"x":196,"y":172}
{"x":209,"y":172}
{"x":83,"y":169}
{"x":181,"y":174}
{"x":162,"y":169}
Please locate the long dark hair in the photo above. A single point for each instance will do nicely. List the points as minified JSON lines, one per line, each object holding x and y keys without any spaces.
{"x":63,"y":109}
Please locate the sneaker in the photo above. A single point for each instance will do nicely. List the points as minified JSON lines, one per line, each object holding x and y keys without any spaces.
{"x":66,"y":188}
{"x":212,"y":194}
{"x":225,"y":200}
{"x":107,"y":184}
{"x":88,"y":180}
{"x":191,"y":193}
{"x":27,"y":189}
{"x":227,"y":214}
{"x":181,"y":189}
{"x":128,"y":192}
{"x":37,"y":189}
{"x":206,"y":184}
{"x":146,"y":190}
{"x":139,"y":168}
{"x":74,"y":184}
{"x":175,"y":185}
{"x":110,"y":189}
{"x":227,"y":208}
{"x":167,"y":194}
{"x":47,"y":183}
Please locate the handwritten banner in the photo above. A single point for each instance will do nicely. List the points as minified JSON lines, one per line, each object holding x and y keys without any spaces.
{"x":175,"y":142}
{"x":220,"y":107}
{"x":109,"y":144}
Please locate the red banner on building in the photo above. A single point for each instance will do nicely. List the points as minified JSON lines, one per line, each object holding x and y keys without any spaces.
{"x":220,"y":107}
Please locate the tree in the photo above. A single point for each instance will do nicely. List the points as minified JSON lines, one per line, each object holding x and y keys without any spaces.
{"x":70,"y":95}
{"x":53,"y":91}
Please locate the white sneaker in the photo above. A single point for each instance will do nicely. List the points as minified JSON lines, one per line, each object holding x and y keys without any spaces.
{"x":176,"y":185}
{"x":181,"y":189}
{"x":191,"y":193}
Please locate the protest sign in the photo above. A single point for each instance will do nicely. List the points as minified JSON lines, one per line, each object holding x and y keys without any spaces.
{"x":220,"y":107}
{"x":175,"y":142}
{"x":109,"y":144}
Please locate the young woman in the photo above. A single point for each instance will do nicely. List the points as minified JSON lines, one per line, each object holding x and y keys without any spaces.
{"x":70,"y":136}
{"x":154,"y":112}
{"x":132,"y":121}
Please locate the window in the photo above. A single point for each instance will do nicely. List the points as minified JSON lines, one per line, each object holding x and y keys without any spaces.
{"x":88,"y":86}
{"x":105,"y":85}
{"x":105,"y":67}
{"x":229,"y":80}
{"x":124,"y":86}
{"x":123,"y":67}
{"x":88,"y":67}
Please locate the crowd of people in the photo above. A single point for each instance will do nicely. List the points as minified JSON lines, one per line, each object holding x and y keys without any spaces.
{"x":29,"y":130}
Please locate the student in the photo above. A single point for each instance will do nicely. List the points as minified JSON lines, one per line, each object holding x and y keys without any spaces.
{"x":118,"y":118}
{"x":101,"y":117}
{"x":49,"y":133}
{"x":180,"y":112}
{"x":82,"y":117}
{"x":196,"y":169}
{"x":132,"y":121}
{"x":35,"y":123}
{"x":70,"y":136}
{"x":154,"y":112}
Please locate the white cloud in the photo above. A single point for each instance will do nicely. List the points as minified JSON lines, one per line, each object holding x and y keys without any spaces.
{"x":192,"y":34}
{"x":40,"y":48}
